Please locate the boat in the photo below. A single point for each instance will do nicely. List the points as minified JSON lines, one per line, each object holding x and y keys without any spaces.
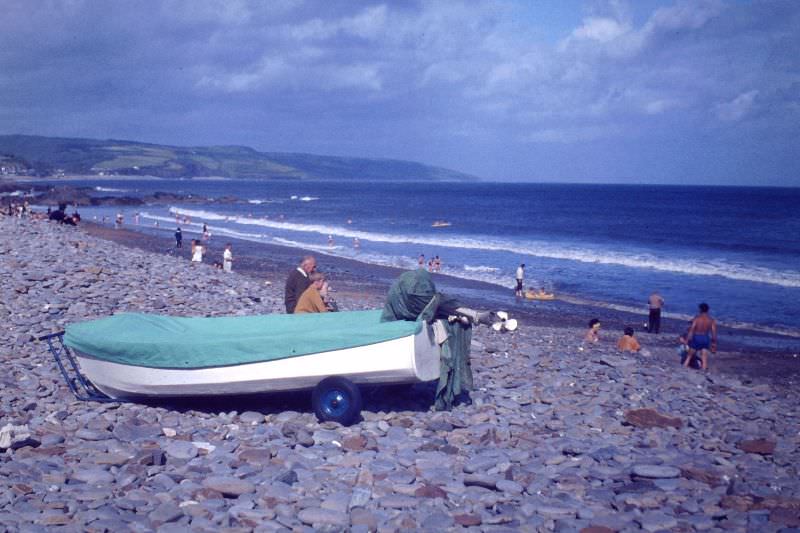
{"x":531,"y":295}
{"x":133,"y":356}
{"x":440,"y":224}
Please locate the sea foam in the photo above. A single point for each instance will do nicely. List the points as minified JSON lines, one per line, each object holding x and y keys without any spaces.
{"x":541,"y":249}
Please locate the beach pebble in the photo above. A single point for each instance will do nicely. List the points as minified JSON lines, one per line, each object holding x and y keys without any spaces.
{"x":317,"y":516}
{"x":181,"y":450}
{"x":228,"y":486}
{"x":555,"y":439}
{"x":656,"y":471}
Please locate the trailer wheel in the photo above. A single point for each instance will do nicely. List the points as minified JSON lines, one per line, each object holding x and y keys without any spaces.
{"x":338,"y":399}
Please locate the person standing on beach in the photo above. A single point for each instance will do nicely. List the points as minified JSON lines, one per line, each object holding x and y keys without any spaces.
{"x":655,"y":302}
{"x":227,"y":258}
{"x":520,"y":277}
{"x":702,"y":337}
{"x":197,"y":254}
{"x":298,"y":281}
{"x":178,"y":238}
{"x":421,"y":261}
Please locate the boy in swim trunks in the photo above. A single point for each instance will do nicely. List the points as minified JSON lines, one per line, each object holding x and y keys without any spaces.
{"x":702,"y":337}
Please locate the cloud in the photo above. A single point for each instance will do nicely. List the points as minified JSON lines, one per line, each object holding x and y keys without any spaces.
{"x":600,"y":29}
{"x":464,"y":84}
{"x":656,"y":107}
{"x":737,"y":108}
{"x":370,"y":23}
{"x":570,"y":135}
{"x":616,"y":36}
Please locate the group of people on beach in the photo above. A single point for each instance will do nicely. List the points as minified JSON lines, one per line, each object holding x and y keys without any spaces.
{"x":307,"y":290}
{"x":695,"y":344}
{"x":434,"y":264}
{"x":60,"y":215}
{"x":356,"y":242}
{"x":531,"y":293}
{"x":198,"y":250}
{"x":18,"y":209}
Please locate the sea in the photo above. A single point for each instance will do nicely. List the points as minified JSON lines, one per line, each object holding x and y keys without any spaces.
{"x":735,"y":248}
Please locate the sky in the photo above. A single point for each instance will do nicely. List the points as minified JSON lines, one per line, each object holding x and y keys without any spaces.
{"x":640,"y":91}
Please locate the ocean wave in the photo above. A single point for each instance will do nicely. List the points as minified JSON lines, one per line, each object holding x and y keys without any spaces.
{"x":480,"y":268}
{"x":110,"y":189}
{"x":259,"y":201}
{"x":323,"y":248}
{"x":540,"y":249}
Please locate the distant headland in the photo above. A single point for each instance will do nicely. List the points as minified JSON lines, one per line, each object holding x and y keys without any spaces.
{"x":33,"y":155}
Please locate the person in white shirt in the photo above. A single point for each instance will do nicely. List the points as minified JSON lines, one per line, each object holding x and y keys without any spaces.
{"x":520,"y":277}
{"x":227,"y":258}
{"x":197,"y":252}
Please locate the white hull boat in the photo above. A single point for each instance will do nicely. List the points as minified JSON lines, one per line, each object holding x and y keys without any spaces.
{"x":132,"y":356}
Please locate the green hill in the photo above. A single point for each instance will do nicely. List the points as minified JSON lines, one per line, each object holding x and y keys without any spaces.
{"x":54,"y":155}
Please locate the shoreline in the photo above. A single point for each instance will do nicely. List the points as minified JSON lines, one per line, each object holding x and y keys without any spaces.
{"x":744,"y":353}
{"x":576,"y":305}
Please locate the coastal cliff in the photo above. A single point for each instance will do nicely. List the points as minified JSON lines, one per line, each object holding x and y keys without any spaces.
{"x":59,"y":156}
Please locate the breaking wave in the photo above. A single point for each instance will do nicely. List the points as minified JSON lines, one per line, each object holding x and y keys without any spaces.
{"x":542,"y":249}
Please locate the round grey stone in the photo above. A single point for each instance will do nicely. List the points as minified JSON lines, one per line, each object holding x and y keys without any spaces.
{"x":656,"y":471}
{"x":181,"y":449}
{"x":319,"y":516}
{"x":229,"y":486}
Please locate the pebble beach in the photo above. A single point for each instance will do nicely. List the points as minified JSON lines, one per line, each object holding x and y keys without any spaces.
{"x":560,"y":436}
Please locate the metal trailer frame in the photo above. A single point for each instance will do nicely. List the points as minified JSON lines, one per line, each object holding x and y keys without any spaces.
{"x":82,"y":388}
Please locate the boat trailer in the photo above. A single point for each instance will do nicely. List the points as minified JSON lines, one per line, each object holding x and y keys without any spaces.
{"x":82,"y":388}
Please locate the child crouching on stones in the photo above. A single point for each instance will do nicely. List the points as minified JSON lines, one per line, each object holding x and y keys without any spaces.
{"x":628,"y":343}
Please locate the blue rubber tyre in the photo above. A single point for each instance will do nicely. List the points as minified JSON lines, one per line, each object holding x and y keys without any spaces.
{"x":337,"y":399}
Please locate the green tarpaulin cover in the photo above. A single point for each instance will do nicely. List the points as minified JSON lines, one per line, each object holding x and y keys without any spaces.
{"x":196,"y":342}
{"x":413,"y":296}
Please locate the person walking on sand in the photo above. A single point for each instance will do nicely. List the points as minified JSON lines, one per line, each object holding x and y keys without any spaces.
{"x":520,"y":277}
{"x":702,"y":337}
{"x":227,"y":258}
{"x":178,"y":238}
{"x":298,"y":281}
{"x":655,"y":303}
